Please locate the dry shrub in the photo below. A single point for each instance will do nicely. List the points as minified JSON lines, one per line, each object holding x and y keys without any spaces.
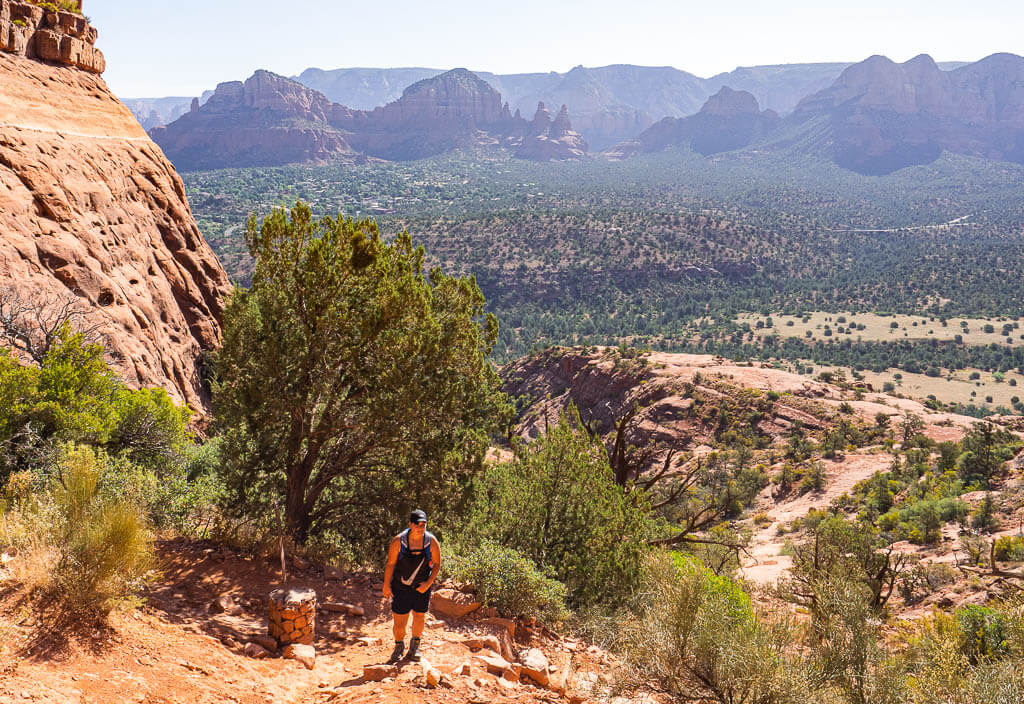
{"x":699,"y":637}
{"x":82,"y":547}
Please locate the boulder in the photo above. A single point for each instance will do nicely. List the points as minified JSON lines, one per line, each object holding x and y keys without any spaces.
{"x":483,"y":642}
{"x":495,"y":664}
{"x":451,"y":603}
{"x":376,"y":673}
{"x":306,"y":654}
{"x":255,"y":650}
{"x":534,"y":664}
{"x":265,"y":641}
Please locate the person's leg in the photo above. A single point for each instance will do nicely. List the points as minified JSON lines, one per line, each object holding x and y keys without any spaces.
{"x":418,"y":620}
{"x":401,"y":621}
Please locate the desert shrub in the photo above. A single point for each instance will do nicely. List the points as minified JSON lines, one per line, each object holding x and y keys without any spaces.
{"x":81,"y":541}
{"x":507,"y":580}
{"x":558,"y":504}
{"x":983,"y":633}
{"x":1010,"y":547}
{"x":74,"y":397}
{"x":700,"y":638}
{"x":105,"y":547}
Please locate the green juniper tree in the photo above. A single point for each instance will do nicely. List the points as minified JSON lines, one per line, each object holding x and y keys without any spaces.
{"x":352,"y":382}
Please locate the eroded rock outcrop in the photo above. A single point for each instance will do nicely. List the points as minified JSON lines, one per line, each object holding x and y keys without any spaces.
{"x":551,"y":140}
{"x":883,"y":116}
{"x":268,"y":120}
{"x":90,"y":207}
{"x":62,"y":37}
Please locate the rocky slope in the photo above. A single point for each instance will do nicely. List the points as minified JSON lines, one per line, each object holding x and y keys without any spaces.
{"x":884,"y":116}
{"x":270,"y":120}
{"x":89,"y":206}
{"x":729,"y":120}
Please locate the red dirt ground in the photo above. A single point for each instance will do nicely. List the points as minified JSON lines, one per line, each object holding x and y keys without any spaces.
{"x":173,"y":650}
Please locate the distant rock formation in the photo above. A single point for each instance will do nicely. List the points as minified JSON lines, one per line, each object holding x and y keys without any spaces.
{"x":884,"y":116}
{"x":90,"y":207}
{"x":551,"y":140}
{"x":271,"y":120}
{"x":433,"y":115}
{"x":729,"y":120}
{"x":267,"y":121}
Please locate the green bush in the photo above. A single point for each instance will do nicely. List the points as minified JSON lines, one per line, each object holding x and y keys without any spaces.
{"x":507,"y":580}
{"x":983,"y":633}
{"x":558,"y":504}
{"x":74,"y":397}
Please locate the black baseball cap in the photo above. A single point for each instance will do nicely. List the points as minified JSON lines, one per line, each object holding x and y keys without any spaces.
{"x":417,"y":516}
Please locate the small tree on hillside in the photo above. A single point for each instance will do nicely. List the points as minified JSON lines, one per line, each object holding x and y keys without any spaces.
{"x":352,"y":383}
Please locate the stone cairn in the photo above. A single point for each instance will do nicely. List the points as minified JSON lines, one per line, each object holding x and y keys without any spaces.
{"x":292,"y":616}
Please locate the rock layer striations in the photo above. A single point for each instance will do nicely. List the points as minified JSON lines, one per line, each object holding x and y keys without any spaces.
{"x":91,"y":208}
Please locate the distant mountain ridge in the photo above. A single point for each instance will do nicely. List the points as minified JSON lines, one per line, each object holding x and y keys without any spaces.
{"x":609,"y":104}
{"x":271,"y":120}
{"x":884,"y":116}
{"x":729,"y":120}
{"x":876,"y":117}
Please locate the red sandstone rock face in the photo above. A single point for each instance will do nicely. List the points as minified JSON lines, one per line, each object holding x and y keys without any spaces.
{"x":89,"y":205}
{"x":730,"y":119}
{"x":61,"y":37}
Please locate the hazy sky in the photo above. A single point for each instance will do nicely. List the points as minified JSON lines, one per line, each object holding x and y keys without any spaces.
{"x":187,"y":46}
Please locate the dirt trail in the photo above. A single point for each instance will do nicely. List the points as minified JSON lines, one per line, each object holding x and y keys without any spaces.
{"x":174,"y":650}
{"x":765,"y":565}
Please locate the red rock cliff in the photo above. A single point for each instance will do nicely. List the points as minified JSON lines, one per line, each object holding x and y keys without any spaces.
{"x":90,"y":206}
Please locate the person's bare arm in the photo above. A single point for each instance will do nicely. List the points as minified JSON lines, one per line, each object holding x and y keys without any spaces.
{"x":435,"y":557}
{"x":389,"y":569}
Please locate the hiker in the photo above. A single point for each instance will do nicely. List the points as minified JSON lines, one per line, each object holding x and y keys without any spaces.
{"x":414,"y":559}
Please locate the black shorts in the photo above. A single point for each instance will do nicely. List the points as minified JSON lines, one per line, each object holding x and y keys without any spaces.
{"x":405,"y":599}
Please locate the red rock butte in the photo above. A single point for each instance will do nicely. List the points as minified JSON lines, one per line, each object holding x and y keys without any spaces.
{"x":89,"y":206}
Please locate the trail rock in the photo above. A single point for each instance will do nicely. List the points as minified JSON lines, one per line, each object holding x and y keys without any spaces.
{"x":534,"y":664}
{"x":306,"y":654}
{"x":452,"y":603}
{"x":255,"y":650}
{"x":483,"y":642}
{"x":376,"y":673}
{"x":495,"y":664}
{"x":267,"y":642}
{"x":224,"y":604}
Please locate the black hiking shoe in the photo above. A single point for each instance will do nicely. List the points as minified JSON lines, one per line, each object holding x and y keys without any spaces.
{"x":396,"y":654}
{"x":414,"y":650}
